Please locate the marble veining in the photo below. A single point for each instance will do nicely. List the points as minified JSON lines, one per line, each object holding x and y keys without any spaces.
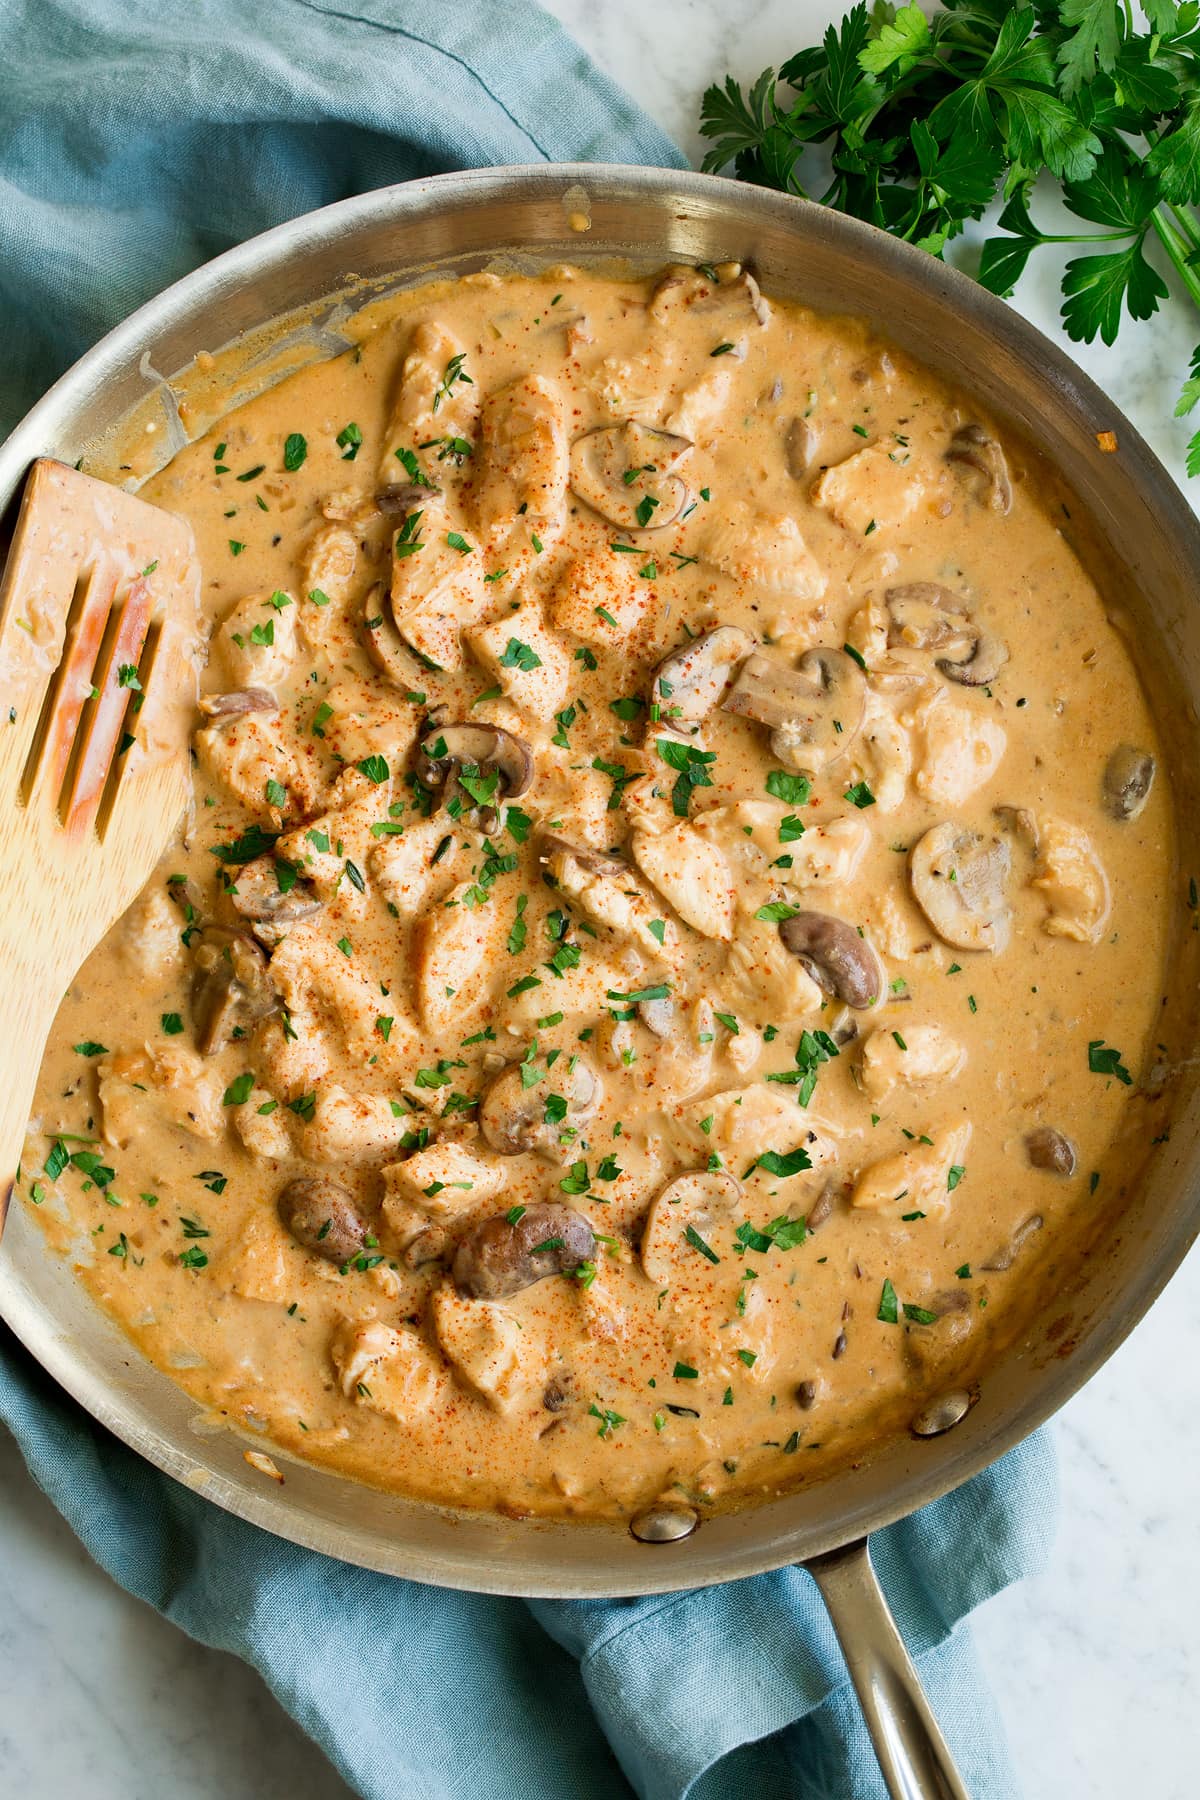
{"x":1096,"y":1662}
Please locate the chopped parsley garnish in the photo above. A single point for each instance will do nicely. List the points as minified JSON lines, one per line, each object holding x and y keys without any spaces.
{"x":889,"y":1310}
{"x":793,"y":789}
{"x":519,"y":656}
{"x":697,"y":1242}
{"x":1104,"y":1060}
{"x":859,"y":795}
{"x":295,"y":449}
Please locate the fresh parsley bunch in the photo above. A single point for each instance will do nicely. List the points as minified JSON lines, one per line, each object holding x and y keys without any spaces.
{"x":927,"y":120}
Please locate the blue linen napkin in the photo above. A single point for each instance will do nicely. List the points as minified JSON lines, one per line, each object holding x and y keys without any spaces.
{"x":137,"y":140}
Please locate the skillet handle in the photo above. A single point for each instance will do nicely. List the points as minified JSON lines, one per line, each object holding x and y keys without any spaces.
{"x":913,"y":1755}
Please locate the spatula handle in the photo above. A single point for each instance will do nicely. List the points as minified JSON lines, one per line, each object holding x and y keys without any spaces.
{"x":28,"y":1002}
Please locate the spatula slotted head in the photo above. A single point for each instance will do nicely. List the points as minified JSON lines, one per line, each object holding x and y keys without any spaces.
{"x":98,"y":658}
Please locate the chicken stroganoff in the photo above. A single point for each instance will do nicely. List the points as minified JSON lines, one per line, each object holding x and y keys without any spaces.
{"x":654,"y":985}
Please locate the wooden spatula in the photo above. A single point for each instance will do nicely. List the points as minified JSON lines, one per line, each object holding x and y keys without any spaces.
{"x":99,"y":648}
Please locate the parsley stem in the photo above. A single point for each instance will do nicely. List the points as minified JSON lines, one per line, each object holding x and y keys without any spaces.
{"x":1176,"y":247}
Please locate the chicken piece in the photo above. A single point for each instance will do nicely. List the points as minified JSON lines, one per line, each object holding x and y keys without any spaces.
{"x":485,"y":1344}
{"x":889,"y":925}
{"x":244,"y":752}
{"x":577,"y":799}
{"x":526,"y":660}
{"x":608,"y":891}
{"x":958,"y":748}
{"x":264,"y":1126}
{"x":700,"y":405}
{"x":329,"y":565}
{"x":390,"y":1370}
{"x":403,"y":865}
{"x":581,"y":990}
{"x":349,"y":1129}
{"x":439,"y":592}
{"x":766,"y":984}
{"x":867,"y":632}
{"x":747,"y":1121}
{"x":148,"y":940}
{"x":320,"y":983}
{"x":691,"y":874}
{"x":443,"y":1179}
{"x":828,"y":855}
{"x":749,"y":833}
{"x":1071,"y":878}
{"x":167,"y":1080}
{"x":363,"y":722}
{"x":521,"y":484}
{"x":454,"y":958}
{"x":917,"y":1177}
{"x":429,"y":402}
{"x":262,"y":1263}
{"x":326,"y":586}
{"x":322,"y":847}
{"x":910,"y":1058}
{"x":257,"y":639}
{"x":291,"y":1059}
{"x":870,"y":490}
{"x":598,"y":598}
{"x":883,"y":754}
{"x":763,"y":551}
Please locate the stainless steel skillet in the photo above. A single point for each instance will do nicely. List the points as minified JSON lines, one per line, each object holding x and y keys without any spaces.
{"x":1148,"y":554}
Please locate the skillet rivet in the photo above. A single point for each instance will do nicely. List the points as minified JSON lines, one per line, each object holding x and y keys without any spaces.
{"x":942,"y":1413}
{"x":664,"y":1524}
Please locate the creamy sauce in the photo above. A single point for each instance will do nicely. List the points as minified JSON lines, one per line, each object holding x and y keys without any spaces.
{"x":803,"y":968}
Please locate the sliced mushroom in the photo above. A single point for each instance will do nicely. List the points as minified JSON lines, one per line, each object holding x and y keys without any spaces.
{"x":837,"y":956}
{"x":822,"y":1207}
{"x":626,"y":473}
{"x":701,"y":1199}
{"x":503,"y":1255}
{"x":447,"y":752}
{"x":815,"y":710}
{"x":257,"y":894}
{"x":958,"y":879}
{"x":321,"y":1215}
{"x":1007,"y":1255}
{"x":1049,"y":1149}
{"x":512,"y":1116}
{"x":924,"y":615}
{"x":800,"y":448}
{"x":978,"y":450}
{"x":693,"y":679}
{"x":241,"y":700}
{"x":232,"y":989}
{"x":393,"y":501}
{"x":1020,"y":824}
{"x":1128,"y":778}
{"x":658,"y":1015}
{"x":984,"y":660}
{"x":387,"y":648}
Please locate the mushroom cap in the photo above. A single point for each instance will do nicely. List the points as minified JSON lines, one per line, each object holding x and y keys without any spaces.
{"x":232,"y":986}
{"x":512,"y":1117}
{"x":814,"y":710}
{"x":321,"y":1215}
{"x":840,"y":960}
{"x":693,"y":679}
{"x":616,"y":469}
{"x":700,"y":1198}
{"x":240,"y":701}
{"x":1049,"y":1149}
{"x":502,"y":1255}
{"x":257,"y":894}
{"x":468,"y":744}
{"x":1128,"y":778}
{"x":979,"y":450}
{"x":958,"y":880}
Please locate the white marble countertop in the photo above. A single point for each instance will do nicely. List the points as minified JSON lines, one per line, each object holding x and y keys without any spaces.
{"x":1096,"y":1662}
